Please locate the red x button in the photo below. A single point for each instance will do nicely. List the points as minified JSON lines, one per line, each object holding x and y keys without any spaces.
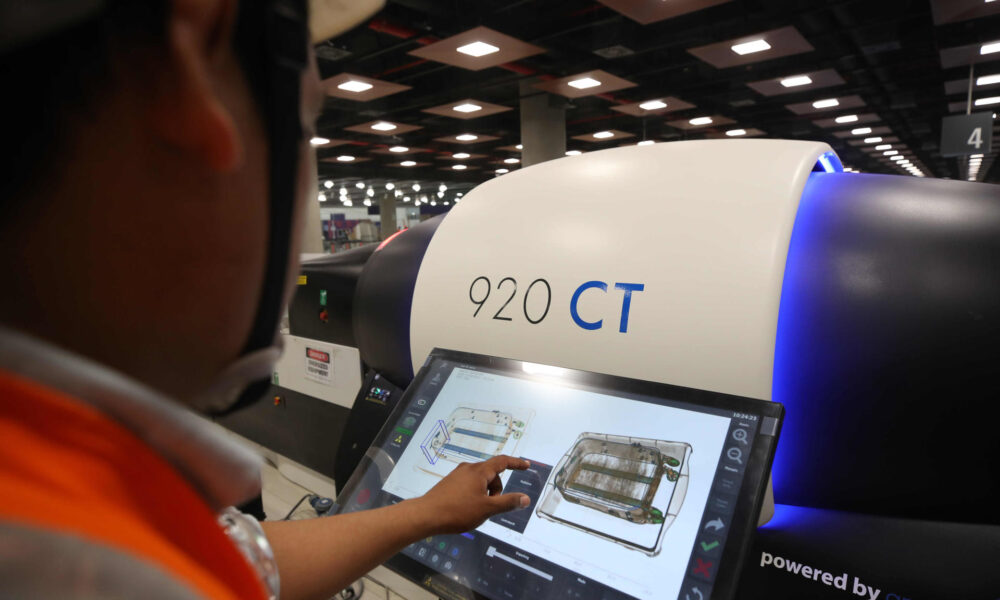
{"x":702,"y":567}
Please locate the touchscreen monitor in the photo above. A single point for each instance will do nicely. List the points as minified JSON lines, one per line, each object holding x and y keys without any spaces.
{"x":638,"y":489}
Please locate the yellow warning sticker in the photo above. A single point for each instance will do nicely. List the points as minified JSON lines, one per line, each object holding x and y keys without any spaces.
{"x":303,"y":280}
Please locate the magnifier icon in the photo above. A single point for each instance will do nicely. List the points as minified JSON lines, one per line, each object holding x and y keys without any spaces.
{"x":740,"y":435}
{"x":735,"y":454}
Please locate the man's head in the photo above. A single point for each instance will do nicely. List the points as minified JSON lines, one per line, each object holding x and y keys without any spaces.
{"x":136,"y":220}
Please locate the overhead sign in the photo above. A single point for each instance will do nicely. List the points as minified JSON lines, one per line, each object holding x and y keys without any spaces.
{"x":962,"y":135}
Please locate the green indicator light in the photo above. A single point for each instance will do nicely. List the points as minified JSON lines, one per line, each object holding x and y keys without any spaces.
{"x":404,"y":430}
{"x":322,"y":297}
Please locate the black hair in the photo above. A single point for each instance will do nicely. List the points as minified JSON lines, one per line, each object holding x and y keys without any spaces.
{"x":52,"y":82}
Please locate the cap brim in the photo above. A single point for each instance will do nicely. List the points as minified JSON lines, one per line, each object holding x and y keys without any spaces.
{"x":330,"y":18}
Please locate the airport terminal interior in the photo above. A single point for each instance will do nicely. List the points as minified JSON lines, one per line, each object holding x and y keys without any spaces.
{"x":726,"y":272}
{"x":792,"y":201}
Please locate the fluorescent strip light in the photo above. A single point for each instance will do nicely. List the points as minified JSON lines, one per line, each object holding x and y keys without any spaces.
{"x":319,"y":141}
{"x":459,"y":167}
{"x":653,"y":105}
{"x":399,"y":149}
{"x":502,"y":171}
{"x":988,"y":101}
{"x":355,"y":86}
{"x":360,"y":185}
{"x":383,"y":126}
{"x":861,"y":131}
{"x":408,"y":163}
{"x":751,"y":47}
{"x":478,"y":49}
{"x":584,"y":83}
{"x":827,"y":103}
{"x":603,"y":135}
{"x":322,"y":197}
{"x":646,"y":143}
{"x":991,"y":48}
{"x":573,"y":153}
{"x":796,"y":81}
{"x":328,"y":184}
{"x":988,"y":79}
{"x":890,"y":153}
{"x":466,"y":137}
{"x":519,"y":147}
{"x":468,"y":107}
{"x":872,"y":140}
{"x":460,"y":155}
{"x":510,"y":161}
{"x":898,"y":158}
{"x":345,"y":158}
{"x":736,"y":132}
{"x":884,"y":147}
{"x":846,"y":119}
{"x":700,"y":121}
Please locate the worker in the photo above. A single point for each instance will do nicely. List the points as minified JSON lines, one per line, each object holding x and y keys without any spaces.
{"x":150,"y":211}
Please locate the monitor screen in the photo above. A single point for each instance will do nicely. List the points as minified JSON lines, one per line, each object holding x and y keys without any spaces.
{"x":638,"y":489}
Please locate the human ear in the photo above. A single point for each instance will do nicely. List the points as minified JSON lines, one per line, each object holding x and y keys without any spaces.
{"x":186,"y":110}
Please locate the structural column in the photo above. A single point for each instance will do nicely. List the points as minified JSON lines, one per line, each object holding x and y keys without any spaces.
{"x":543,"y":125}
{"x":387,"y":212}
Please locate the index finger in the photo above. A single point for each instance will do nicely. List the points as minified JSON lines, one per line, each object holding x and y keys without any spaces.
{"x":500,"y":463}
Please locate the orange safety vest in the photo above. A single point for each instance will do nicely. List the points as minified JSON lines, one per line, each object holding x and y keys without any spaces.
{"x":66,"y":467}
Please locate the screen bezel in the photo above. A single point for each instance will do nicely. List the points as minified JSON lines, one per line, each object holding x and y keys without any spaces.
{"x":749,"y":499}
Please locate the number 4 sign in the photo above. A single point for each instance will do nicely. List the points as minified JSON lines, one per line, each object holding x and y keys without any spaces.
{"x":967,"y":134}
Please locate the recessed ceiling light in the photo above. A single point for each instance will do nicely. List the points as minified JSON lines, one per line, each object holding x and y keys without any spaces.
{"x":872,"y":140}
{"x":988,"y":79}
{"x":328,"y":184}
{"x":416,"y":187}
{"x":736,"y":132}
{"x":390,"y":186}
{"x":399,"y":149}
{"x":502,"y":171}
{"x":700,"y":121}
{"x":408,"y":163}
{"x":442,"y":188}
{"x":360,"y":185}
{"x":653,"y":105}
{"x":367,"y":202}
{"x":383,"y":126}
{"x":603,"y":135}
{"x":511,"y":161}
{"x":466,"y":137}
{"x":459,"y":167}
{"x":355,"y":86}
{"x":467,"y":107}
{"x":584,"y":83}
{"x":319,"y":141}
{"x":751,"y":47}
{"x":861,"y":131}
{"x":322,"y":197}
{"x":846,"y":119}
{"x":890,"y":152}
{"x":370,"y":192}
{"x":519,"y":147}
{"x":988,"y":101}
{"x":460,"y":155}
{"x":406,"y":198}
{"x":345,"y":158}
{"x":829,"y":102}
{"x":898,"y":158}
{"x":440,"y":194}
{"x":646,"y":143}
{"x":478,"y":49}
{"x":883,"y":147}
{"x":796,"y":81}
{"x":573,"y":153}
{"x":990,"y":48}
{"x":343,"y":191}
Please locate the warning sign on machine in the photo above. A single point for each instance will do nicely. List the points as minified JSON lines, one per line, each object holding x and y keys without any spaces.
{"x":318,"y":366}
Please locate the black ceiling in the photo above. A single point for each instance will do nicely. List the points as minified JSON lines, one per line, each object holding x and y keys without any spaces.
{"x":887,"y":52}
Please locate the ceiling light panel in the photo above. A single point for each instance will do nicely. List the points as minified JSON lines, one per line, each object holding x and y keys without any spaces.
{"x":476,"y":49}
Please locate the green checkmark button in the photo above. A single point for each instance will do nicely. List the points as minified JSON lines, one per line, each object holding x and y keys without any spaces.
{"x":708,"y":547}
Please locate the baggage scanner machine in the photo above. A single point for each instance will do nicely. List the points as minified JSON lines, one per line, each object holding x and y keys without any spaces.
{"x":868,"y":305}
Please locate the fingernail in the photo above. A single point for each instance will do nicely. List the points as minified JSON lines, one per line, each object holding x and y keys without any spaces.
{"x":525,"y":501}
